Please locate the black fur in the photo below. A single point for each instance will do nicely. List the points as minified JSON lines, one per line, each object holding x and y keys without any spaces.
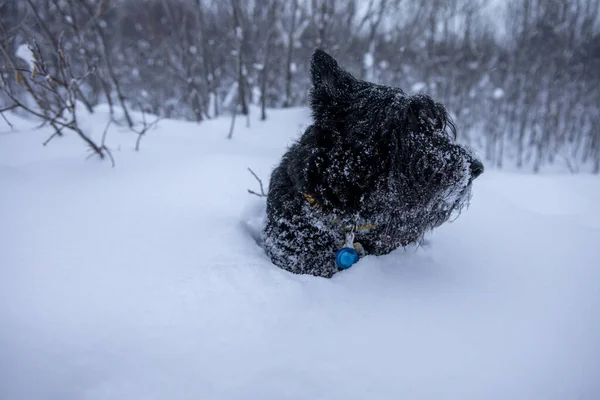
{"x":373,"y":156}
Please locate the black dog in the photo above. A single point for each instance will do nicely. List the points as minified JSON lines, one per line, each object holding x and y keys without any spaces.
{"x":376,"y":161}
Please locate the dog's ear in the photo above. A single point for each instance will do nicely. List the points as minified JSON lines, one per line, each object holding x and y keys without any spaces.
{"x":324,"y":69}
{"x":329,"y":81}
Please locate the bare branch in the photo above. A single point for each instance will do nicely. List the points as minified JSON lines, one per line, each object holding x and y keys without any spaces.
{"x":55,"y":94}
{"x":8,"y":108}
{"x":55,"y":134}
{"x":144,"y":129}
{"x":4,"y":116}
{"x":262,"y":190}
{"x":103,"y":144}
{"x":105,"y":132}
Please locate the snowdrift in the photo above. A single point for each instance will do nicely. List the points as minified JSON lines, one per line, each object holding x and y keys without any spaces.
{"x":145,"y":281}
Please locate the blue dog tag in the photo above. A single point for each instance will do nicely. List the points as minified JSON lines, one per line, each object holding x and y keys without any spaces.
{"x":346,"y":257}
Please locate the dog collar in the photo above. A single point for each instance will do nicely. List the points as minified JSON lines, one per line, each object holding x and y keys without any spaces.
{"x":311,"y":200}
{"x":348,"y":254}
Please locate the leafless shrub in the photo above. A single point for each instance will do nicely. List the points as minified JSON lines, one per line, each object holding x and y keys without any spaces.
{"x":54,"y":91}
{"x":528,"y":97}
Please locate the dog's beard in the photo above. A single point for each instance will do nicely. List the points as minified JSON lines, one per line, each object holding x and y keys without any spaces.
{"x":461,"y":202}
{"x":450,"y":202}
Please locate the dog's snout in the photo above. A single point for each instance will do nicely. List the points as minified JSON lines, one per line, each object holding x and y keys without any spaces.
{"x":476,"y":168}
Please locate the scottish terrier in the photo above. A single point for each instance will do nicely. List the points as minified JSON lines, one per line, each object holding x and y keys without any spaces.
{"x":376,"y":162}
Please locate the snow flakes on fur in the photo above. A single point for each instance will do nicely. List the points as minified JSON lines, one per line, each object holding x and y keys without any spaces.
{"x":373,"y":155}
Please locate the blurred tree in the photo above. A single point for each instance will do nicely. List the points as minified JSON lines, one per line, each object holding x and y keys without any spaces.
{"x":523,"y":86}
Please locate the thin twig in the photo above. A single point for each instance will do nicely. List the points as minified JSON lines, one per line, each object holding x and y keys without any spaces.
{"x":7,"y":121}
{"x":55,"y":134}
{"x":9,"y":108}
{"x":145,"y":128}
{"x":105,"y":131}
{"x":4,"y":116}
{"x":103,"y":144}
{"x":262,"y":190}
{"x":107,"y":151}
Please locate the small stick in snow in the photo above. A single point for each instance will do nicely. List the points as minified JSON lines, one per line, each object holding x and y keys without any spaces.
{"x":103,"y":143}
{"x":4,"y":116}
{"x":145,"y":127}
{"x":262,"y":190}
{"x":55,"y":134}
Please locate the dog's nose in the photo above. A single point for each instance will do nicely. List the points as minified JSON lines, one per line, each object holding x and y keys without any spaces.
{"x":476,"y":168}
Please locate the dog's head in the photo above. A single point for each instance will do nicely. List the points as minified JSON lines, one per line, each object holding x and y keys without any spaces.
{"x":407,"y":140}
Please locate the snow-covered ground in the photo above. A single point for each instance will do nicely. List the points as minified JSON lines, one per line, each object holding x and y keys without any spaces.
{"x":144,"y":282}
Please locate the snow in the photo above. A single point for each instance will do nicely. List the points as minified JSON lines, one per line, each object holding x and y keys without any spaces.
{"x":418,"y":87}
{"x":144,"y":281}
{"x":25,"y":54}
{"x":368,"y":64}
{"x":231,"y":95}
{"x":498,"y":93}
{"x":368,"y":60}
